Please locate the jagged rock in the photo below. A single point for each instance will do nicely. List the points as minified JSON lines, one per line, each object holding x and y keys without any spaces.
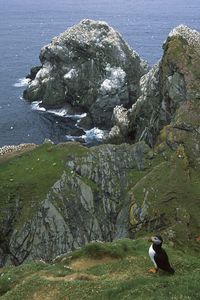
{"x":181,"y":60}
{"x":89,"y":66}
{"x":140,"y":122}
{"x":33,"y":72}
{"x":169,"y":88}
{"x":86,"y":122}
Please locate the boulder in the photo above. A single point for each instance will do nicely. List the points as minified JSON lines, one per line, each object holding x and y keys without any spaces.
{"x":89,"y":66}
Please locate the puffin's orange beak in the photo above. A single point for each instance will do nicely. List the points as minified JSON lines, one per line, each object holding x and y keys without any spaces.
{"x":150,"y":239}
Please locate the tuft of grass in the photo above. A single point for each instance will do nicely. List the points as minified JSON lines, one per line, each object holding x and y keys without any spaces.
{"x":98,"y":250}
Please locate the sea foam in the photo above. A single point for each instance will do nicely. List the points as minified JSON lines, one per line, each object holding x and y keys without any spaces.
{"x":94,"y":134}
{"x":35,"y":105}
{"x":22,"y":82}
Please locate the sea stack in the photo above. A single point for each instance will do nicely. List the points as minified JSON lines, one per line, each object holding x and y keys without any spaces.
{"x":91,"y":67}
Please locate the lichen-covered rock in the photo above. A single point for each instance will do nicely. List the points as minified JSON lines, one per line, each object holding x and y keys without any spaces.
{"x":158,"y":200}
{"x":180,"y":65}
{"x":88,"y":66}
{"x":166,"y":199}
{"x":166,"y":91}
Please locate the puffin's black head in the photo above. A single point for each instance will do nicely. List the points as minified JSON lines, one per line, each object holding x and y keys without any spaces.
{"x":157,"y":240}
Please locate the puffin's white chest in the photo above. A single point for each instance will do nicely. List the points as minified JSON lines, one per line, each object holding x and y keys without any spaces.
{"x":151,"y":254}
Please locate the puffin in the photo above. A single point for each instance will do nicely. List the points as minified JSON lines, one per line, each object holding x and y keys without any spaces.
{"x":159,"y":256}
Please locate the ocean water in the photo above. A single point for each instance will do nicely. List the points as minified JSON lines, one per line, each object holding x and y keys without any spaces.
{"x":27,"y":25}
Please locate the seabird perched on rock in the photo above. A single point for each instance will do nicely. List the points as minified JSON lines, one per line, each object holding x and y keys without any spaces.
{"x":159,"y":256}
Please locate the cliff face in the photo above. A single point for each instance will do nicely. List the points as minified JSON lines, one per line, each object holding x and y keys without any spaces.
{"x":166,"y":116}
{"x":85,"y":199}
{"x":56,"y":198}
{"x":170,"y":86}
{"x":88,"y":66}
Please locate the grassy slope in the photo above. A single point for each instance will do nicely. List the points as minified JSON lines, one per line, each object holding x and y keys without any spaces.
{"x":124,"y":275}
{"x":28,"y":177}
{"x":118,"y":270}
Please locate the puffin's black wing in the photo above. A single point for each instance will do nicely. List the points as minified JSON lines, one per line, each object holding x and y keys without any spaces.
{"x":162,"y":261}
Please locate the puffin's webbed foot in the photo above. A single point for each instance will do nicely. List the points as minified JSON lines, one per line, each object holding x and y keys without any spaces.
{"x":153,"y":270}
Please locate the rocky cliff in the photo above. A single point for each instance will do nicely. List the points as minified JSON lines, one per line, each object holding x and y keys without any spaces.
{"x":57,"y":198}
{"x":81,"y":195}
{"x":171,"y":86}
{"x":166,"y":116}
{"x":88,"y":66}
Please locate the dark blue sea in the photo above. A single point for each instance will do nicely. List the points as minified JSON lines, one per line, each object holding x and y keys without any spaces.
{"x":27,"y":25}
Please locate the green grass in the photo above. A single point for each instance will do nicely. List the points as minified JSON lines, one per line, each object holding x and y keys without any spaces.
{"x":124,"y":277}
{"x":26,"y":179}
